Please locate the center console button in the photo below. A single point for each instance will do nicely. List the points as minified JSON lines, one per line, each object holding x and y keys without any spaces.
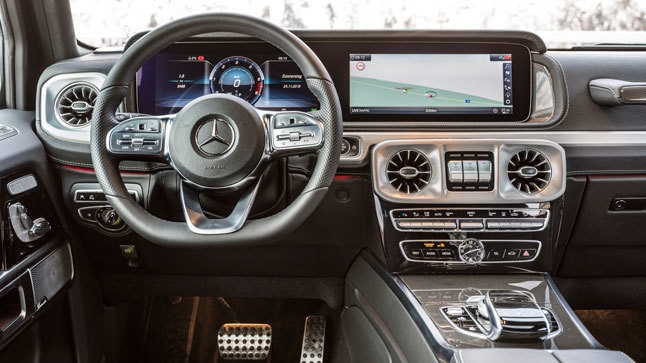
{"x":446,"y":254}
{"x":511,"y":254}
{"x":493,"y":225}
{"x":449,"y":225}
{"x":415,"y":253}
{"x":430,"y":253}
{"x":404,"y":224}
{"x":471,"y":224}
{"x":484,"y":171}
{"x":527,"y":254}
{"x":455,"y":171}
{"x":496,"y":254}
{"x":470,"y":169}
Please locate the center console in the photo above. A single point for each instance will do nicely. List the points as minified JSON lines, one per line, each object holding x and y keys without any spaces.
{"x":468,"y":228}
{"x":482,"y":205}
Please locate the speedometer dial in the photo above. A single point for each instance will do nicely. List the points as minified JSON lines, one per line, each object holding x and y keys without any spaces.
{"x":238,"y":76}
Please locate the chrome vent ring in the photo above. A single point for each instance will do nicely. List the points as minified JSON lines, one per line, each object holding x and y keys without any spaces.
{"x":408,"y":171}
{"x":75,"y":103}
{"x":529,"y":171}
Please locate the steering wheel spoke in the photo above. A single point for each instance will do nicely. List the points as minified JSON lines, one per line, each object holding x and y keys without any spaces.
{"x":292,"y":133}
{"x":199,"y":223}
{"x":140,"y":138}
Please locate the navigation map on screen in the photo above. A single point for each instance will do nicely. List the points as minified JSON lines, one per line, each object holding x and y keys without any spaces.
{"x":431,"y":83}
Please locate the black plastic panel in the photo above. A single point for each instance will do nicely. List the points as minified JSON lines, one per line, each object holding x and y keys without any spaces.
{"x":608,"y":242}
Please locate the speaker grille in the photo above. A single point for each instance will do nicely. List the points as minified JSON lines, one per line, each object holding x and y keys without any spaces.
{"x":51,"y":274}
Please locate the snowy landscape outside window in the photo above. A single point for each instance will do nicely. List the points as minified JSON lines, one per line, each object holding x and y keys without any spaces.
{"x":561,"y":23}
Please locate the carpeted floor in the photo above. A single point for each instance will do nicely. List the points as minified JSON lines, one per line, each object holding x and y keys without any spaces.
{"x":186,"y":330}
{"x":623,"y":330}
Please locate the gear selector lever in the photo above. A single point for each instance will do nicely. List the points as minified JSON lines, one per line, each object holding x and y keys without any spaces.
{"x":509,"y":315}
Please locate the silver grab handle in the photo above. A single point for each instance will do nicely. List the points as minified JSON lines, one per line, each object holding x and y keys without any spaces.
{"x":614,"y":92}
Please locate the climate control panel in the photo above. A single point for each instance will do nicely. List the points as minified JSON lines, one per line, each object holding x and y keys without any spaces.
{"x":470,"y":251}
{"x":470,"y":220}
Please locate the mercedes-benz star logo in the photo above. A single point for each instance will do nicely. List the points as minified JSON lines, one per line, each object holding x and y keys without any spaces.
{"x":214,"y":137}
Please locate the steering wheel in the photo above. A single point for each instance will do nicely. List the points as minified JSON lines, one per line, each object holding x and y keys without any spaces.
{"x":217,"y":142}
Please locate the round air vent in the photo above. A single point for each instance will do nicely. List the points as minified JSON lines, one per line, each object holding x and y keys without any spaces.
{"x":74,"y":105}
{"x":408,"y":171}
{"x":529,"y":171}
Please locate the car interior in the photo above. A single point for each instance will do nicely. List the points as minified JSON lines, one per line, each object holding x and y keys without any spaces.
{"x":222,"y":189}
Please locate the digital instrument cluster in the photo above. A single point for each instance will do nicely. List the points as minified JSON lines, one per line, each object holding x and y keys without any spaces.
{"x":170,"y":80}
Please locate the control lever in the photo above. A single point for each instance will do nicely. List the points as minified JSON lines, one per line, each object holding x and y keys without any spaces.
{"x":509,"y":315}
{"x":39,"y":227}
{"x":27,"y":230}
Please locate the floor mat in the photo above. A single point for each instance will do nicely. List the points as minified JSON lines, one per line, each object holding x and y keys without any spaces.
{"x":623,"y":330}
{"x":186,"y":331}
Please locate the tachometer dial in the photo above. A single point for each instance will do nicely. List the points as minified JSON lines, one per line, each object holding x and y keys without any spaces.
{"x":238,"y":76}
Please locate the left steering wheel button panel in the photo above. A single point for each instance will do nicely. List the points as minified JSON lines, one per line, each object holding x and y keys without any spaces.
{"x":141,"y":136}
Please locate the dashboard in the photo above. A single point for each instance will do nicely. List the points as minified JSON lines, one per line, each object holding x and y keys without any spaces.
{"x":375,"y":81}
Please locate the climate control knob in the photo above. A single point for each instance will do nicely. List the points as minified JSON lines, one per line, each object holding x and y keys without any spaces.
{"x":471,"y":251}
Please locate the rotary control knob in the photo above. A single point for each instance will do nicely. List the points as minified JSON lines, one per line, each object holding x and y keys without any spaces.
{"x":471,"y":251}
{"x":109,"y":219}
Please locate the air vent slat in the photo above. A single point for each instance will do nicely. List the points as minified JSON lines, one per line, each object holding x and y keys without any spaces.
{"x":408,"y":171}
{"x":74,"y":105}
{"x":529,"y":171}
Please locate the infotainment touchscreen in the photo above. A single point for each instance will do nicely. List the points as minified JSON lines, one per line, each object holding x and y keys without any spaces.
{"x":459,"y":84}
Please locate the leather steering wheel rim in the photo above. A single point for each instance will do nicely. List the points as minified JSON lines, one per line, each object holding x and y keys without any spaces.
{"x":259,"y":231}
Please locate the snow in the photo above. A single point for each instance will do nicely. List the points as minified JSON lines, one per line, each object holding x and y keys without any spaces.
{"x":561,"y":22}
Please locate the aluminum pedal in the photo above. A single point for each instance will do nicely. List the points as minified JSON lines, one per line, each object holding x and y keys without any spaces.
{"x":313,"y":339}
{"x":244,"y":341}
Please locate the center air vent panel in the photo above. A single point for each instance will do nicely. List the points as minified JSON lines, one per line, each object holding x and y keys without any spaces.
{"x":529,"y":171}
{"x":400,"y":173}
{"x":75,"y":103}
{"x":408,"y":171}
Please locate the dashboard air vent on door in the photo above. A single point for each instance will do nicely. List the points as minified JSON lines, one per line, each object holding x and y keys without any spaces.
{"x":408,"y":171}
{"x":74,"y":105}
{"x":529,"y":171}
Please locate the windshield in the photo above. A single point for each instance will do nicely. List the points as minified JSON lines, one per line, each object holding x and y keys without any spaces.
{"x":561,"y":23}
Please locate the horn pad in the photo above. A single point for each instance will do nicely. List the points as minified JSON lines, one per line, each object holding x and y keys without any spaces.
{"x":216,"y":140}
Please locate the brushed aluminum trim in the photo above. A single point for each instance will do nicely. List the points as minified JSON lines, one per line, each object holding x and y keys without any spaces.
{"x":437,"y":191}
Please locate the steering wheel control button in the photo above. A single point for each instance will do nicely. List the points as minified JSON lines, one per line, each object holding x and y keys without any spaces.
{"x":294,"y":130}
{"x":139,"y":136}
